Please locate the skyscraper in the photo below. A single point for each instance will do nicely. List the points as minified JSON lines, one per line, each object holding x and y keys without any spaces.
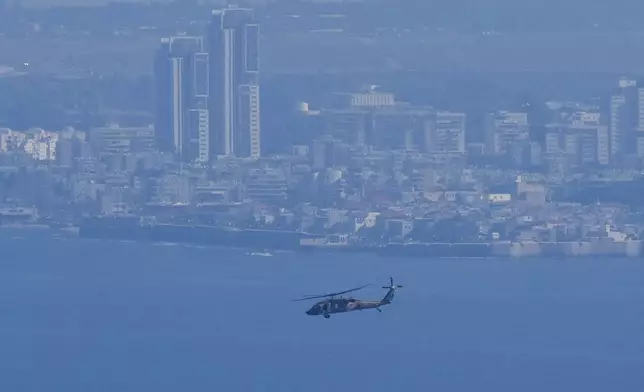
{"x":233,"y":45}
{"x":623,"y":119}
{"x":182,"y":118}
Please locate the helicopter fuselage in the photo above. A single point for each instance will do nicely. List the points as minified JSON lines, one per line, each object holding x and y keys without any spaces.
{"x":342,"y":305}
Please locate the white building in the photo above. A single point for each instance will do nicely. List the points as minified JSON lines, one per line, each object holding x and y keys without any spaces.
{"x":40,"y":144}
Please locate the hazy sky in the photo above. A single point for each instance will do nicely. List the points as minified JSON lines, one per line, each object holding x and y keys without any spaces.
{"x":45,"y":3}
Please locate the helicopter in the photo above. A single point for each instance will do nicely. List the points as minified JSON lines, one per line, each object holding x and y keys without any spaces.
{"x":333,"y":305}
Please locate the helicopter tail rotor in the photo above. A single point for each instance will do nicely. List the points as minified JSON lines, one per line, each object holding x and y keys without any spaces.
{"x":392,"y":286}
{"x":389,"y":297}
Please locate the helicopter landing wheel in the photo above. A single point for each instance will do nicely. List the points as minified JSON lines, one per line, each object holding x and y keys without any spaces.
{"x":327,"y":316}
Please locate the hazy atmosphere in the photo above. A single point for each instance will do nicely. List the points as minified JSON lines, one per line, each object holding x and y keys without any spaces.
{"x":306,"y":195}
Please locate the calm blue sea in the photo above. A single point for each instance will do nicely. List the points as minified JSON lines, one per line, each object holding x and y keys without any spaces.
{"x":81,"y":315}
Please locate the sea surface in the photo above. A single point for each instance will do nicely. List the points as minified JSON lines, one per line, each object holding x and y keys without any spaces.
{"x":84,"y":315}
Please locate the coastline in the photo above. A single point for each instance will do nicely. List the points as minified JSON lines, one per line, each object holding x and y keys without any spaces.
{"x":279,"y":242}
{"x":71,"y":231}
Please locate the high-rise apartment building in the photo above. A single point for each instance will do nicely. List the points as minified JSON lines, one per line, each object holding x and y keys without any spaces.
{"x":446,"y":134}
{"x":182,"y":118}
{"x":506,"y":131}
{"x":233,"y":45}
{"x":623,"y":119}
{"x":580,"y":140}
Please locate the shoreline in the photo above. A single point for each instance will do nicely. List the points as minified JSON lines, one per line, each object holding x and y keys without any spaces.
{"x":474,"y":251}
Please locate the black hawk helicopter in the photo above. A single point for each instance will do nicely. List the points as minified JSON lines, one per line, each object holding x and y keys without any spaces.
{"x":340,"y":304}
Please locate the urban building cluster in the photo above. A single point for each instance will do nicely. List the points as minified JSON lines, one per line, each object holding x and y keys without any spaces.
{"x":365,"y":170}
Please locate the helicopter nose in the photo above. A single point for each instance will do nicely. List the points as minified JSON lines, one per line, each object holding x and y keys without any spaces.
{"x":309,"y":312}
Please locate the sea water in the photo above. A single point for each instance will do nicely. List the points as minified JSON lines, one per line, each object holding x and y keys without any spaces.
{"x":83,"y":315}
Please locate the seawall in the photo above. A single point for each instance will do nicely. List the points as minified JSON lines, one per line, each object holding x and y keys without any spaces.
{"x":133,"y":229}
{"x":509,"y":249}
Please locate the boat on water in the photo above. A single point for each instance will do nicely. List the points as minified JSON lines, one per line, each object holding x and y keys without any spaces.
{"x":265,"y":254}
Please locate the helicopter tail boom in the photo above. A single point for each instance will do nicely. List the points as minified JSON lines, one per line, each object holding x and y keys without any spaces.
{"x":389,"y":297}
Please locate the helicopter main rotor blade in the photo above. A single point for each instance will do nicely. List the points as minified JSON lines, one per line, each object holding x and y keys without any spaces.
{"x":311,"y":297}
{"x":349,"y":291}
{"x":331,"y":294}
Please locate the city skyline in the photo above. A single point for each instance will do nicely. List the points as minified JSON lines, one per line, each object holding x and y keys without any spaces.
{"x":137,"y":185}
{"x":207,"y":90}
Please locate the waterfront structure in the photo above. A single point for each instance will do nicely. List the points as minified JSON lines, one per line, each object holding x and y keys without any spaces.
{"x":182,"y":90}
{"x":234,"y":105}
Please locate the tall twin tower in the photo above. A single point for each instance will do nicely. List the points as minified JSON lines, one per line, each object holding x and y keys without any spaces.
{"x":208,"y":90}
